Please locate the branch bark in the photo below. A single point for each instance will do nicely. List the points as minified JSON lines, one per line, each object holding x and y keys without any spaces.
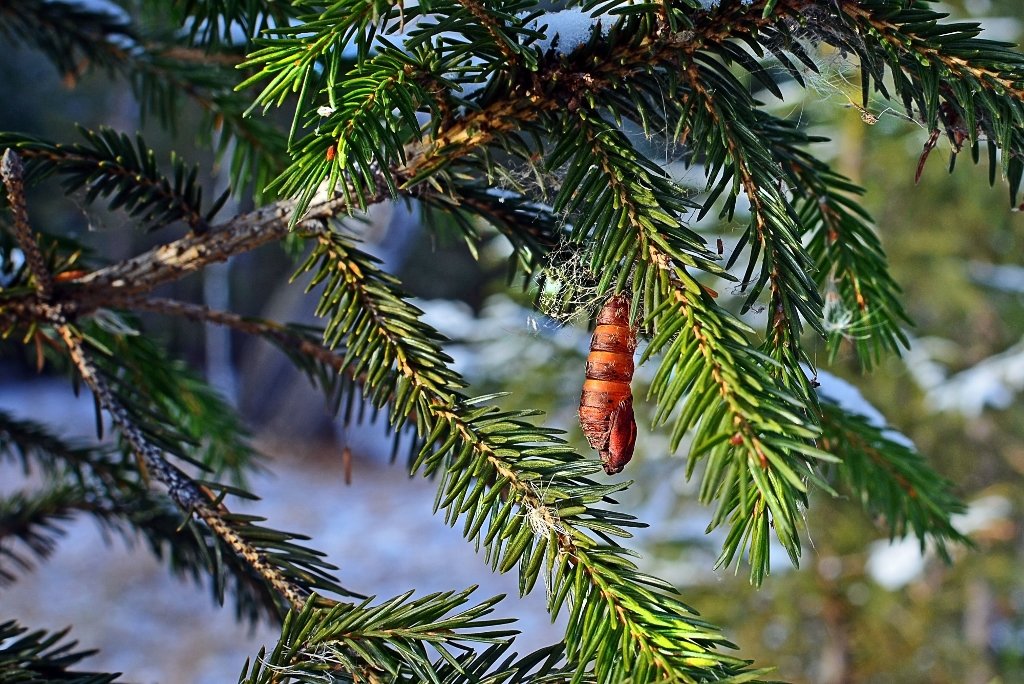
{"x":167,"y":263}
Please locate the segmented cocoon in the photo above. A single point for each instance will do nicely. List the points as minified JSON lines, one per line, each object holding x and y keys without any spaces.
{"x":606,"y":403}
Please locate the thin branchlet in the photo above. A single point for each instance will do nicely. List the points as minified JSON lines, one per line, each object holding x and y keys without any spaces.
{"x":182,"y":489}
{"x":188,"y":495}
{"x":13,"y":172}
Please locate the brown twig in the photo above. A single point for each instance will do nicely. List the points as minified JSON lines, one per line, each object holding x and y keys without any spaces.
{"x":181,"y":488}
{"x":189,"y":496}
{"x":170,"y":262}
{"x":262,"y":328}
{"x":13,"y":173}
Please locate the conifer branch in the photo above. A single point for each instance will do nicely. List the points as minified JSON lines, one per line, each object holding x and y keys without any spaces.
{"x":891,"y":479}
{"x":494,"y":29}
{"x":785,"y":266}
{"x":861,"y":298}
{"x":943,"y":71}
{"x":303,"y":345}
{"x":170,"y":262}
{"x":760,"y":454}
{"x":101,"y":484}
{"x":41,"y":657}
{"x":521,"y":492}
{"x":111,"y":165}
{"x":279,"y":333}
{"x":182,"y":489}
{"x":549,"y":515}
{"x":491,"y":462}
{"x":494,"y":665}
{"x":987,"y":63}
{"x":72,"y":35}
{"x":34,"y":521}
{"x":77,"y":39}
{"x":366,"y":642}
{"x":12,"y":173}
{"x":33,"y":446}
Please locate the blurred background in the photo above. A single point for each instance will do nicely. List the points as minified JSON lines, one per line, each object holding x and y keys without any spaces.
{"x":860,"y":609}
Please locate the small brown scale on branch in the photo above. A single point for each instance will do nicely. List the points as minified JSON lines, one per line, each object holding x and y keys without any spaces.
{"x":606,"y":403}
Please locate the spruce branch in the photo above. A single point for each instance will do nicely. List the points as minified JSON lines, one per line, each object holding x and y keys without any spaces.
{"x":503,"y":464}
{"x":298,"y":340}
{"x":941,"y":72}
{"x":33,"y":520}
{"x":482,"y":127}
{"x":111,"y":165}
{"x":159,"y":70}
{"x":760,"y":455}
{"x":170,"y":262}
{"x":303,"y":345}
{"x":181,"y":488}
{"x":365,"y":641}
{"x":12,"y":172}
{"x":33,"y":446}
{"x":372,"y":119}
{"x":608,"y":187}
{"x":860,"y":296}
{"x":216,"y":23}
{"x":100,"y":483}
{"x":916,"y":33}
{"x":784,"y":264}
{"x":73,"y":36}
{"x":474,"y":131}
{"x":485,"y":481}
{"x":891,"y":479}
{"x":522,"y":494}
{"x":43,"y":657}
{"x":861,"y":299}
{"x":180,"y":412}
{"x":292,"y":581}
{"x":491,"y":463}
{"x":459,"y":144}
{"x":493,"y":665}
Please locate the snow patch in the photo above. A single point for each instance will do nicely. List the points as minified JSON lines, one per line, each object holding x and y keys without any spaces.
{"x":849,"y":398}
{"x":992,"y":383}
{"x":982,"y":513}
{"x":895,"y":564}
{"x":567,"y":29}
{"x":1004,"y":277}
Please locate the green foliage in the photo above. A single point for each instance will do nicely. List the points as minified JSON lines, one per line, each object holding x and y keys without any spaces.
{"x":216,"y":22}
{"x":474,"y":111}
{"x":160,"y":71}
{"x":178,"y":411}
{"x":67,"y":33}
{"x":111,"y":166}
{"x":947,"y":75}
{"x":40,"y":657}
{"x":903,"y":490}
{"x":392,"y":636}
